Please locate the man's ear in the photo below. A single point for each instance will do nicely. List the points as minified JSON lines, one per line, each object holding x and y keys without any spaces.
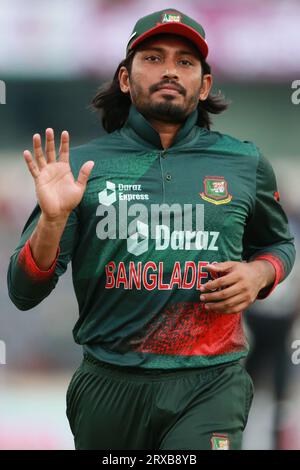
{"x":206,"y":86}
{"x":124,"y":80}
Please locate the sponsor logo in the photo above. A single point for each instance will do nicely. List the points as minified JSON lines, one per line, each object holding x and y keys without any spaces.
{"x":108,"y":196}
{"x":174,"y":226}
{"x":185,"y":240}
{"x":216,"y":190}
{"x":138,"y":242}
{"x":219,"y":442}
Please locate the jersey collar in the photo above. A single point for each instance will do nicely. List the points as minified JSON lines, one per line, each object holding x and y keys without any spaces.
{"x":143,"y":129}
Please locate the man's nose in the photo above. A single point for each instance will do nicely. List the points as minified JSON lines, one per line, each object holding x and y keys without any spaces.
{"x":170,"y":73}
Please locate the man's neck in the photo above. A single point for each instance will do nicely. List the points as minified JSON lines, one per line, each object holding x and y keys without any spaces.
{"x":167,"y":131}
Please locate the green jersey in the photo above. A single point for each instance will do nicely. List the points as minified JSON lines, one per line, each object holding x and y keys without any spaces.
{"x":139,"y":242}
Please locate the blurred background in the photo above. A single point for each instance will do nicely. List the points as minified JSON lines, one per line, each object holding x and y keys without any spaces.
{"x":54,"y":54}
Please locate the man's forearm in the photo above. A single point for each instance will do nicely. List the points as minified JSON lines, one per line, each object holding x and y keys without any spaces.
{"x":45,"y":239}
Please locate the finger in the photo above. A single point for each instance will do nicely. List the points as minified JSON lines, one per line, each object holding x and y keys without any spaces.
{"x":221,"y":282}
{"x":220,"y":295}
{"x":221,"y":267}
{"x":239,"y":308}
{"x":38,"y":152}
{"x":50,"y":146}
{"x":32,"y":166}
{"x":231,"y":305}
{"x":84,"y":173}
{"x":64,"y":147}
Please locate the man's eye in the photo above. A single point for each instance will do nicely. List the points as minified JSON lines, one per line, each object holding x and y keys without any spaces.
{"x":152,"y":58}
{"x":185,"y":62}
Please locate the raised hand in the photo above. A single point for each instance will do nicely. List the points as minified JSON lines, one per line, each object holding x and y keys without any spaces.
{"x":57,"y":191}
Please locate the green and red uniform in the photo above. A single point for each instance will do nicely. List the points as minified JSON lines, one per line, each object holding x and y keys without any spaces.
{"x":137,"y":276}
{"x":143,"y":309}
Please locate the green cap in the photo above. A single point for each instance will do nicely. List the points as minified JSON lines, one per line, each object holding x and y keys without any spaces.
{"x":168,"y":21}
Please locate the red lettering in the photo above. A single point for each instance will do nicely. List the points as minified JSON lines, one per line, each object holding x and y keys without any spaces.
{"x":135,"y":277}
{"x":189,"y":265}
{"x":139,"y":275}
{"x":121,"y":277}
{"x":110,"y":278}
{"x":161,"y":286}
{"x":201,"y":275}
{"x":152,"y":277}
{"x":176,"y":275}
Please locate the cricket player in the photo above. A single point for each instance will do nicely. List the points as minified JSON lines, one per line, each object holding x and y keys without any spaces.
{"x":173,"y":230}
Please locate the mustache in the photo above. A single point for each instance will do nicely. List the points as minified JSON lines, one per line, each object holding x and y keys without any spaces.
{"x":161,"y":84}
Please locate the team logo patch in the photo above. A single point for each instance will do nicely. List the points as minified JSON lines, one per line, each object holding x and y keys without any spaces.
{"x":171,"y":18}
{"x":219,"y":442}
{"x":216,"y":190}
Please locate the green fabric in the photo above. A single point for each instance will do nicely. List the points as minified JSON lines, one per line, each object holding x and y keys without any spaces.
{"x":198,"y":410}
{"x":136,"y":274}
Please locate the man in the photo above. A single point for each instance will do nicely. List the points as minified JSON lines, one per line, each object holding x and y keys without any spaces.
{"x":173,"y":230}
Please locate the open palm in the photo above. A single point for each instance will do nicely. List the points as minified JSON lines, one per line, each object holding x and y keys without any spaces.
{"x":57,"y":191}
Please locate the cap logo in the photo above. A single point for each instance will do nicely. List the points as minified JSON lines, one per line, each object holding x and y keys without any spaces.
{"x":171,"y":18}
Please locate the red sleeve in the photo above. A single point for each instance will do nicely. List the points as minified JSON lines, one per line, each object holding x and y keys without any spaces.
{"x":29,"y":266}
{"x":279,"y":273}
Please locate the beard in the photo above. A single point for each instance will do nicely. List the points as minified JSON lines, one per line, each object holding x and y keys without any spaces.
{"x":164,"y":110}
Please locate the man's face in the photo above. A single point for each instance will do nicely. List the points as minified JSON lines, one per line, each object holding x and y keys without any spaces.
{"x":166,"y":79}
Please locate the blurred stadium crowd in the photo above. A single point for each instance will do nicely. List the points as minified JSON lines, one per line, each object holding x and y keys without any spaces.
{"x":55,"y":55}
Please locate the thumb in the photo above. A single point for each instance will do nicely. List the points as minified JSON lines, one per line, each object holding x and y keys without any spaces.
{"x":85,"y":172}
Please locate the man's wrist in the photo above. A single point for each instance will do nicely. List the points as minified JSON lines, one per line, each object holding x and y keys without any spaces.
{"x":54,"y":221}
{"x":45,"y":239}
{"x":265,"y":273}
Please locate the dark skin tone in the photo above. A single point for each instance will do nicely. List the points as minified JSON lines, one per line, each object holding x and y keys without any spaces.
{"x":158,"y":60}
{"x":57,"y":193}
{"x":174,"y":58}
{"x":240,"y":284}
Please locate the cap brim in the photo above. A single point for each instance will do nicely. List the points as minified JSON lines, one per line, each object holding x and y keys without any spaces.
{"x":175,"y":28}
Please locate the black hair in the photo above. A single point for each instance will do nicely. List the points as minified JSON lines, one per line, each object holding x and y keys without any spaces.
{"x":115,"y":104}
